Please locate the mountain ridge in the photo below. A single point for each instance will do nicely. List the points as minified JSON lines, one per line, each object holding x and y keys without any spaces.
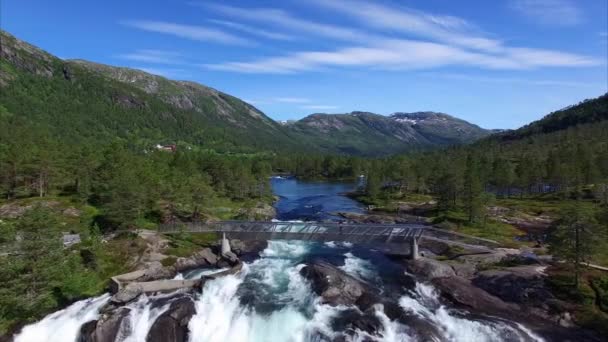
{"x":81,"y":99}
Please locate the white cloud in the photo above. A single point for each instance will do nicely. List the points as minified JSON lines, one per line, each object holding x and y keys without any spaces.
{"x":153,"y":56}
{"x":511,"y":80}
{"x":252,"y":30}
{"x":192,"y":32}
{"x":406,"y":54}
{"x":291,"y":100}
{"x":320,"y":107}
{"x":281,"y":18}
{"x":442,"y":28}
{"x":549,"y":12}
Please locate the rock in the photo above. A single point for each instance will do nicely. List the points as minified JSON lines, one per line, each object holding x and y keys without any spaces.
{"x":353,"y":320}
{"x":483,"y":258}
{"x":523,"y":284}
{"x":332,"y":284}
{"x":429,"y":268}
{"x":261,"y":212}
{"x":461,"y":292}
{"x":172,"y":325}
{"x":205,"y":257}
{"x":466,"y":271}
{"x":157,"y":271}
{"x":240,"y":247}
{"x":106,"y":329}
{"x":127,"y":294}
{"x":231,"y":258}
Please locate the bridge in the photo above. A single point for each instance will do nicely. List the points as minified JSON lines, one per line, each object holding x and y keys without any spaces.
{"x":401,"y":239}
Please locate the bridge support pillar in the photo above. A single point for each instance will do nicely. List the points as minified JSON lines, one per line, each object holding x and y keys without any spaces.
{"x":225,"y":244}
{"x":413,"y":249}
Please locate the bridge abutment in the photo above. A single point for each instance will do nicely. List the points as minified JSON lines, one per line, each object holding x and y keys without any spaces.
{"x":414,"y":249}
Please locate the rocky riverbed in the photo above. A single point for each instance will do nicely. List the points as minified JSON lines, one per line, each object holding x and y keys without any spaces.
{"x":288,"y":291}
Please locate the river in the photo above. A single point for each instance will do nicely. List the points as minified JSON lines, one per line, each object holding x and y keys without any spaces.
{"x":269,"y":300}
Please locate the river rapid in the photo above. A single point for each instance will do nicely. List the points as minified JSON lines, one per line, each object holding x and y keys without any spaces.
{"x":269,"y":300}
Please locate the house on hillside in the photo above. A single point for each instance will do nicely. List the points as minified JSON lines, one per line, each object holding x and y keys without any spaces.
{"x":167,"y":148}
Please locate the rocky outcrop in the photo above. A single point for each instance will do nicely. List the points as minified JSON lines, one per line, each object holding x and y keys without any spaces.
{"x":262,"y":211}
{"x":172,"y":325}
{"x":429,"y":268}
{"x":204,"y":257}
{"x":462,"y":293}
{"x":334,"y":285}
{"x":105,"y":329}
{"x":522,"y":284}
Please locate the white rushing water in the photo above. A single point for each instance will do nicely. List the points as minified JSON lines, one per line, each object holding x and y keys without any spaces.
{"x":63,"y":325}
{"x":270,"y":301}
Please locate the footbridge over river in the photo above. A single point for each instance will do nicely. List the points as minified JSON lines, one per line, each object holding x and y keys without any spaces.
{"x":401,"y":239}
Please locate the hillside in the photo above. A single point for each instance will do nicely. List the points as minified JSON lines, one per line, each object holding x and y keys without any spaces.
{"x":369,"y":134}
{"x":587,"y":112}
{"x":78,"y":100}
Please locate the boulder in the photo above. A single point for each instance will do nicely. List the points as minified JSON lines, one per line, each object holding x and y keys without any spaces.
{"x":106,"y":329}
{"x":204,"y":257}
{"x":172,"y":325}
{"x":463,"y":270}
{"x":332,"y":284}
{"x":429,"y":268}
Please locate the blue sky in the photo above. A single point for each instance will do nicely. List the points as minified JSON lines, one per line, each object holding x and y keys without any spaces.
{"x":499,"y":64}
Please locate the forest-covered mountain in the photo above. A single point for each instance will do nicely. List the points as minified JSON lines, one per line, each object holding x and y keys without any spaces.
{"x":77,"y":100}
{"x":363,"y":133}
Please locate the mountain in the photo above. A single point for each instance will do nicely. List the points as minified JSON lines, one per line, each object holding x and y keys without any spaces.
{"x":369,"y":134}
{"x":78,"y":100}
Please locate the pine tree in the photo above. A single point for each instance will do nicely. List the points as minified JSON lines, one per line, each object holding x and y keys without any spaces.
{"x":473,"y":190}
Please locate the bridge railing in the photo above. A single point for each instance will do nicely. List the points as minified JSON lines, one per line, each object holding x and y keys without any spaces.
{"x":338,"y":231}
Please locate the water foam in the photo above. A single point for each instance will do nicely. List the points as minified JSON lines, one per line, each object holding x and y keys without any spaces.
{"x":63,"y":325}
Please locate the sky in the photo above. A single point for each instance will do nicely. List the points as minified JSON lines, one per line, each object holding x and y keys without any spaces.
{"x":498,"y":64}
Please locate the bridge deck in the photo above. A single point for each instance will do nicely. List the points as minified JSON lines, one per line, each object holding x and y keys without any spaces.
{"x":312,"y":231}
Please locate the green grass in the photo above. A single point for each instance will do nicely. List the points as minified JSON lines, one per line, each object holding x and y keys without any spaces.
{"x":186,"y":244}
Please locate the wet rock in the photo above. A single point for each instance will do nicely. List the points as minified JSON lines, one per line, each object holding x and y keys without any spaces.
{"x":332,"y":284}
{"x":172,"y":325}
{"x":204,"y":257}
{"x":429,"y":268}
{"x":523,"y":285}
{"x":106,"y":329}
{"x":231,"y":258}
{"x":127,"y":294}
{"x":240,"y":247}
{"x":350,"y":321}
{"x":462,"y":293}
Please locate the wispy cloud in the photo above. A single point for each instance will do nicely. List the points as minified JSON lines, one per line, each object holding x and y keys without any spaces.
{"x":320,"y":107}
{"x":549,"y":12}
{"x":192,"y":32}
{"x":511,"y":80}
{"x":153,"y":56}
{"x":406,"y":54}
{"x":449,"y":41}
{"x":253,"y":30}
{"x":270,"y":16}
{"x":291,"y":99}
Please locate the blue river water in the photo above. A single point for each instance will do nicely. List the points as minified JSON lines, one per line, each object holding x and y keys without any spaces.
{"x":313,"y":200}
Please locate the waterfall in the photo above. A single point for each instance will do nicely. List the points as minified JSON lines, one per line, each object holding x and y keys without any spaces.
{"x":270,"y":301}
{"x":63,"y":325}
